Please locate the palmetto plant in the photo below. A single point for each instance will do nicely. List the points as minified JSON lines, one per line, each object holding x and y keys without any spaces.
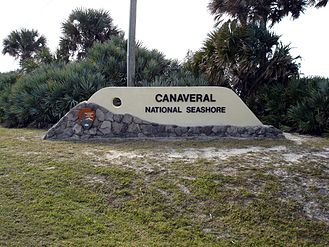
{"x":179,"y":77}
{"x":43,"y":96}
{"x":242,"y":53}
{"x":23,"y":44}
{"x":271,"y":103}
{"x":302,"y":105}
{"x":82,"y":29}
{"x":7,"y":79}
{"x":244,"y":58}
{"x":260,"y":11}
{"x":150,"y":64}
{"x":110,"y":59}
{"x":311,"y":113}
{"x":318,"y":3}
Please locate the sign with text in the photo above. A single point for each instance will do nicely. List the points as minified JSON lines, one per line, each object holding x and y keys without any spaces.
{"x":182,"y":106}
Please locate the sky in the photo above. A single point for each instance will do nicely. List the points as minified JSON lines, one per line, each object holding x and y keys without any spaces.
{"x":171,"y":26}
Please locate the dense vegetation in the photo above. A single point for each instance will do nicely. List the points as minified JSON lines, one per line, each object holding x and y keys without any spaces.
{"x":241,"y":53}
{"x":301,"y":106}
{"x":43,"y":96}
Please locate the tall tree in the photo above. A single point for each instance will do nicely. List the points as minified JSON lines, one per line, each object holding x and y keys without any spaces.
{"x":23,"y":44}
{"x":243,"y":52}
{"x":259,"y":11}
{"x":82,"y":29}
{"x":318,"y":3}
{"x":244,"y":58}
{"x":262,"y":12}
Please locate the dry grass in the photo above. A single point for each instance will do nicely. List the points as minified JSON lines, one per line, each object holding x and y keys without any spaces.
{"x":163,"y":193}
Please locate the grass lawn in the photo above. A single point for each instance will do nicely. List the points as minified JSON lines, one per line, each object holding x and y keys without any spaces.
{"x":163,"y":193}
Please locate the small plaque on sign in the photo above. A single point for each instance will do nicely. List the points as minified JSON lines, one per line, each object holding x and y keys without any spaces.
{"x":86,"y":117}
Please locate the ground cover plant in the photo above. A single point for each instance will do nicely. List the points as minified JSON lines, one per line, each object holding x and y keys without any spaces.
{"x":163,"y":193}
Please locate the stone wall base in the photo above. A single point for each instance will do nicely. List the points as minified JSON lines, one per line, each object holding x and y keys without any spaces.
{"x":108,"y":125}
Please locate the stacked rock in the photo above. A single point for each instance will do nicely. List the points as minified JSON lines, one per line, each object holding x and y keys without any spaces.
{"x":107,"y":125}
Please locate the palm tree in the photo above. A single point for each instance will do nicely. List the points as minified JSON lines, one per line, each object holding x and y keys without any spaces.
{"x":23,"y":44}
{"x":244,"y":58}
{"x":262,"y":11}
{"x":83,"y":28}
{"x":235,"y":9}
{"x":319,"y":3}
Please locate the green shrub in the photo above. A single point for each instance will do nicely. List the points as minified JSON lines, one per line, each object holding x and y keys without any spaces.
{"x":45,"y":95}
{"x":244,"y":58}
{"x":151,"y":64}
{"x":110,"y":59}
{"x":40,"y":98}
{"x":8,"y":79}
{"x":311,"y":114}
{"x":178,"y":77}
{"x":301,"y":105}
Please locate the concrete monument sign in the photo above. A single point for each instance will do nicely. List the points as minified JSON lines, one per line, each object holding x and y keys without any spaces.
{"x":161,"y":112}
{"x":182,"y":106}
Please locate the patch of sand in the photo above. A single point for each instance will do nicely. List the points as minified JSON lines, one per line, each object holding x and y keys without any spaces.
{"x":213,"y":153}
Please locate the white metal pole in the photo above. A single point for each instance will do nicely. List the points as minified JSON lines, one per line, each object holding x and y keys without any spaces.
{"x":131,"y":49}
